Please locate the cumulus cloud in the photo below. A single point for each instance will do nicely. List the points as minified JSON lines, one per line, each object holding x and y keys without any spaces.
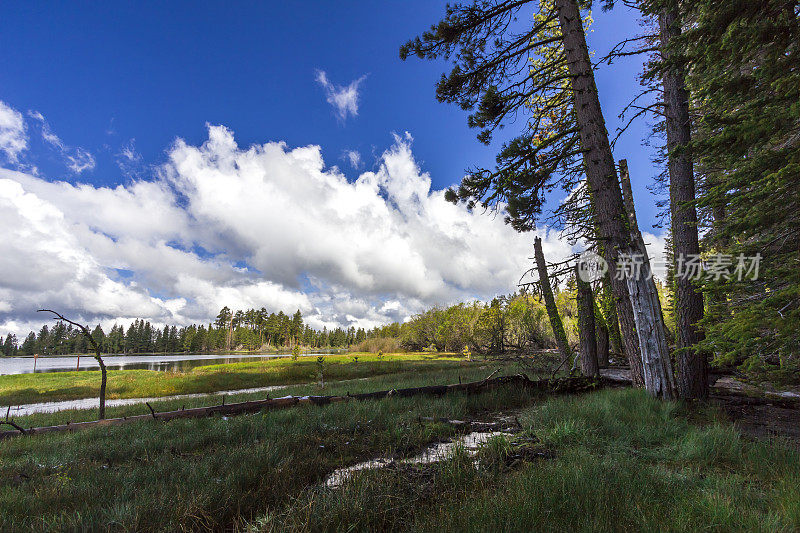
{"x":259,"y":226}
{"x":656,"y":250}
{"x":77,"y":159}
{"x":13,"y":137}
{"x":344,"y":99}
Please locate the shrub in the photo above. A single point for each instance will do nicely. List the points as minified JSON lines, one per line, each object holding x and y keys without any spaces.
{"x":378,"y":344}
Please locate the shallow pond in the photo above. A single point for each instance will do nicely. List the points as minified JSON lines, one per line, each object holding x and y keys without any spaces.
{"x":162,"y":362}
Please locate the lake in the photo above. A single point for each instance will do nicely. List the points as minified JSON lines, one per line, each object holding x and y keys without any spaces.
{"x":162,"y":362}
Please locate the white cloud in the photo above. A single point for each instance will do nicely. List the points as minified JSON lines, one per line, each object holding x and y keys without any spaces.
{"x":13,"y":137}
{"x":259,"y":226}
{"x":76,"y":159}
{"x":344,"y":99}
{"x":129,"y":160}
{"x":656,"y":250}
{"x":353,"y":157}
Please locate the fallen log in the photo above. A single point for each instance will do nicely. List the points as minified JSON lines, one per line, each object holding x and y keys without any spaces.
{"x":559,"y":386}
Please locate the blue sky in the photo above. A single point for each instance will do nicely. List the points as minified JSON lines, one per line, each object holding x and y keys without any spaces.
{"x":118,"y":83}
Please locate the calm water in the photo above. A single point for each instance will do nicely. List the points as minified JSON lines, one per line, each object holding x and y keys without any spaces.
{"x":24,"y":365}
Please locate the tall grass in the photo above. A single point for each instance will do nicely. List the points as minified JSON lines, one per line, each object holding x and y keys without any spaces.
{"x":623,"y":462}
{"x":212,"y":473}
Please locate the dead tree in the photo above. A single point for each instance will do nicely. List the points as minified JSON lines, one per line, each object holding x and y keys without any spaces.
{"x":86,"y":333}
{"x":650,"y":360}
{"x":657,"y":366}
{"x":550,"y":302}
{"x":545,"y":71}
{"x":586,"y":328}
{"x":609,"y":309}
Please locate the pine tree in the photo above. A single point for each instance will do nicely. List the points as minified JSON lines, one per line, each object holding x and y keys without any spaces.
{"x":546,"y":71}
{"x":744,"y":77}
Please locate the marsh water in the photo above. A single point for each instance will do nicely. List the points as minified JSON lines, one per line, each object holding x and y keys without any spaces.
{"x":161,"y":362}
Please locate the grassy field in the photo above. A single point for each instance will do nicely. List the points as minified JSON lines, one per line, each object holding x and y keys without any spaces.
{"x":410,"y":378}
{"x":214,"y":472}
{"x":618,"y":460}
{"x":56,"y":386}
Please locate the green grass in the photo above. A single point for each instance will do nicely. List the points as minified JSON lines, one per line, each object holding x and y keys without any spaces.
{"x":21,"y":389}
{"x":211,"y":473}
{"x":618,"y":461}
{"x":409,"y":378}
{"x":623,"y":462}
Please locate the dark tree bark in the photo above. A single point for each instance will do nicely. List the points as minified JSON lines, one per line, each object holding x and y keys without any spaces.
{"x":586,"y":328}
{"x":610,"y":313}
{"x":649,"y":364}
{"x":692,"y":365}
{"x":601,"y":332}
{"x":86,"y":333}
{"x":550,"y":302}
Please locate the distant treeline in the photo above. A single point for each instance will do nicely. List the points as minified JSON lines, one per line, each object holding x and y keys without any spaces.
{"x":513,"y":323}
{"x":254,"y":329}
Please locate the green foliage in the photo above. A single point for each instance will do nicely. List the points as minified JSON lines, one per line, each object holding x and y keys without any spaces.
{"x":499,"y":75}
{"x":253,"y":329}
{"x":296,"y":352}
{"x":514,"y":323}
{"x":378,"y":344}
{"x":745,"y":78}
{"x":319,"y":365}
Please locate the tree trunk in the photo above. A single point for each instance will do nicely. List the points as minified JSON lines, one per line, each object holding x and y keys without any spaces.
{"x":601,"y":331}
{"x":692,"y":371}
{"x":103,"y":379}
{"x":610,"y":313}
{"x":586,"y":328}
{"x":613,"y":230}
{"x":550,"y":301}
{"x":650,"y":326}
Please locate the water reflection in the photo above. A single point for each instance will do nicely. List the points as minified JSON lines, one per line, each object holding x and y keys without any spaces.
{"x":159,"y":362}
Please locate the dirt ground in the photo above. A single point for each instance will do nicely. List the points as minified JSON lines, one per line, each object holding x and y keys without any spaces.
{"x":758,"y":412}
{"x":762,"y":418}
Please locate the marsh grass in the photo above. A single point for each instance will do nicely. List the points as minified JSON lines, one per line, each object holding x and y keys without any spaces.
{"x":215,"y":472}
{"x":19,"y":389}
{"x":409,"y":378}
{"x":623,"y":462}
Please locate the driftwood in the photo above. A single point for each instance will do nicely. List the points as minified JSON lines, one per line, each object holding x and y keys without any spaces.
{"x":558,"y":386}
